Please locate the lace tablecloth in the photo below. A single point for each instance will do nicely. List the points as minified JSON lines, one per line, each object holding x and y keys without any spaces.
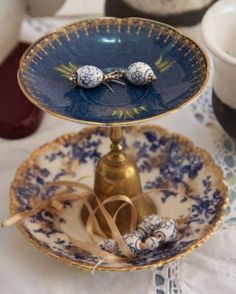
{"x":210,"y":269}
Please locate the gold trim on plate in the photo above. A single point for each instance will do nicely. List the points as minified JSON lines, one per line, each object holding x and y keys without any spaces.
{"x":183,"y":140}
{"x":32,"y":53}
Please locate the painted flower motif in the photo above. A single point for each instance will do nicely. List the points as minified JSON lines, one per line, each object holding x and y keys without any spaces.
{"x":89,"y":76}
{"x":137,"y":77}
{"x":206,"y":200}
{"x":140,"y":74}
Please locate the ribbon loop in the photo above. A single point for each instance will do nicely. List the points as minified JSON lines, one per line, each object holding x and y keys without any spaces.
{"x":55,"y":205}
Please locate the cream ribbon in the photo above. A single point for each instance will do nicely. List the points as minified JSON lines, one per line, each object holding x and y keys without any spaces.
{"x":54,"y":206}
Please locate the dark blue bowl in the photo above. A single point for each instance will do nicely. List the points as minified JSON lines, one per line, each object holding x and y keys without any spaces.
{"x":180,"y":64}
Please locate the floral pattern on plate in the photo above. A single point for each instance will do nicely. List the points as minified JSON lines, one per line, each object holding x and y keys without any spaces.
{"x":163,"y":159}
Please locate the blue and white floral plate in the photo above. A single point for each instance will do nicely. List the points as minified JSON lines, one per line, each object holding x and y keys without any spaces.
{"x":162,"y":158}
{"x":181,"y":67}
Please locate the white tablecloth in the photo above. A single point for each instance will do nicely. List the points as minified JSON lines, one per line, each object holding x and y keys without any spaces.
{"x":211,"y":269}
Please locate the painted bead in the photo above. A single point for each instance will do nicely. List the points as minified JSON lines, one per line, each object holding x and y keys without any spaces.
{"x":140,"y":73}
{"x":108,"y":245}
{"x":133,"y":242}
{"x":152,"y":243}
{"x":89,"y":76}
{"x":140,"y":234}
{"x":167,"y":231}
{"x":149,"y":225}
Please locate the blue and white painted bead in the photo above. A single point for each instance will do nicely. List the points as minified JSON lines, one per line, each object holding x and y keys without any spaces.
{"x":166,"y":231}
{"x":108,"y":245}
{"x":140,"y":74}
{"x":149,"y":225}
{"x":133,"y":242}
{"x":140,"y":234}
{"x":89,"y":76}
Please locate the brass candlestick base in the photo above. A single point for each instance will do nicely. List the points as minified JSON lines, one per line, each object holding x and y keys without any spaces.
{"x":117,"y":174}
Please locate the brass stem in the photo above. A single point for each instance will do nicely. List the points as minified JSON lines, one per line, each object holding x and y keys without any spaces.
{"x":116,"y":154}
{"x":116,"y":137}
{"x":118,"y":174}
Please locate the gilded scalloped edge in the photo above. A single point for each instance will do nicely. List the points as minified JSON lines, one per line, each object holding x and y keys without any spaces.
{"x":183,"y":140}
{"x":83,"y":26}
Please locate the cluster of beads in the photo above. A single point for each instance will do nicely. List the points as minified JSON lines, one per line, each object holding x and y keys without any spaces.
{"x":151,"y":232}
{"x":90,"y":76}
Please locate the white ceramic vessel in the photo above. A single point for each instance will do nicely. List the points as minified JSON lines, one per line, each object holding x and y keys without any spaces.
{"x":174,"y":12}
{"x":164,"y":7}
{"x":219,"y":33}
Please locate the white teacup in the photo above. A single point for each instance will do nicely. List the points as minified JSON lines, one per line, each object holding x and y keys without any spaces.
{"x":219,"y":33}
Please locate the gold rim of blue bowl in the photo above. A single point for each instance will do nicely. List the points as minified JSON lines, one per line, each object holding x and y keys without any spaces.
{"x":98,"y":22}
